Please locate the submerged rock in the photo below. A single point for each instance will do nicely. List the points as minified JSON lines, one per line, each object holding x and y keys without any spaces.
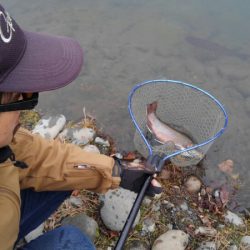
{"x":91,"y":148}
{"x":245,"y":242}
{"x":172,"y":239}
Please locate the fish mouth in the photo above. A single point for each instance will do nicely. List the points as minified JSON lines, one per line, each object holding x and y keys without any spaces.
{"x":16,"y":128}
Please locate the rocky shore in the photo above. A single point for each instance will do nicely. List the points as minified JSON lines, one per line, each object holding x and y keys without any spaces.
{"x":191,"y":213}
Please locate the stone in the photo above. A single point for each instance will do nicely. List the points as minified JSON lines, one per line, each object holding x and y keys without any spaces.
{"x":206,"y":231}
{"x":85,"y":223}
{"x":137,"y":245}
{"x":78,"y":136}
{"x":75,"y":201}
{"x":233,"y":219}
{"x":34,"y":233}
{"x":91,"y":148}
{"x":116,"y":207}
{"x":99,"y":140}
{"x":193,"y":184}
{"x":208,"y":245}
{"x":172,"y":239}
{"x":50,"y":126}
{"x":245,"y":242}
{"x":148,"y":225}
{"x":232,"y":247}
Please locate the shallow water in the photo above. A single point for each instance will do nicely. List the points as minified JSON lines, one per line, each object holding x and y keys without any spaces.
{"x":206,"y":43}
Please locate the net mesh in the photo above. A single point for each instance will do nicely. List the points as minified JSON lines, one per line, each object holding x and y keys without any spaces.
{"x":186,"y":109}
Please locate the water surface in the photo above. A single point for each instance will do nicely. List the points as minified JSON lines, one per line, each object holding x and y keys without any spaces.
{"x":206,"y":43}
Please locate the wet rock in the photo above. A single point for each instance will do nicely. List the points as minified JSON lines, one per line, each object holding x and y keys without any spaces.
{"x":245,"y":242}
{"x":206,"y":231}
{"x":116,"y":207}
{"x":78,"y":136}
{"x":209,"y":245}
{"x":91,"y":148}
{"x":172,"y":239}
{"x":148,"y":225}
{"x":233,"y":218}
{"x":35,"y":233}
{"x":50,"y":126}
{"x":85,"y":223}
{"x":193,"y":184}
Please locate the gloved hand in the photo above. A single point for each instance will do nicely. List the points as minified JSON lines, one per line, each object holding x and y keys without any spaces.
{"x":134,"y":176}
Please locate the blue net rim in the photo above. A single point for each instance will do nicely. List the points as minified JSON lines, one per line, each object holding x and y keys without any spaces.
{"x":217,"y":102}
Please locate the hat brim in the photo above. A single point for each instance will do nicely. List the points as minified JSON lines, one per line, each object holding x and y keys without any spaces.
{"x":49,"y":62}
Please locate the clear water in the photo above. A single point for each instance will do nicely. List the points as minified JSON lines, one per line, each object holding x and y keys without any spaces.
{"x":203,"y":42}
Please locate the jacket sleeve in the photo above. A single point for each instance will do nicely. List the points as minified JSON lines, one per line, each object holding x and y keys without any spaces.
{"x":59,"y":166}
{"x":9,"y":205}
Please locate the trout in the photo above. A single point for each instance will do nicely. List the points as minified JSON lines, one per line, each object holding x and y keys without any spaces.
{"x":162,"y":131}
{"x":173,"y":139}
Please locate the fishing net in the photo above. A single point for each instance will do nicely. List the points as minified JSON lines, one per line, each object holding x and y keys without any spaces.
{"x":182,"y":106}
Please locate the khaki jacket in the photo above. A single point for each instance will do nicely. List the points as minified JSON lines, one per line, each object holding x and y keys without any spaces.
{"x":52,"y":166}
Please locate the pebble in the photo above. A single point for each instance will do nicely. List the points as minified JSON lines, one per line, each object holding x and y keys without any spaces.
{"x":85,"y":223}
{"x":99,"y":140}
{"x":245,"y":242}
{"x":116,"y":207}
{"x":184,"y":206}
{"x":78,"y":135}
{"x":35,"y":233}
{"x":137,"y":245}
{"x":91,"y":148}
{"x":233,"y":218}
{"x":193,"y":184}
{"x":232,"y":247}
{"x":206,"y":231}
{"x":208,"y":245}
{"x":172,"y":239}
{"x":75,"y":201}
{"x":50,"y":126}
{"x":148,"y":225}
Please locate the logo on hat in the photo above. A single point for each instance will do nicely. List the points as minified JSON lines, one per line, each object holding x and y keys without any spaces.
{"x":6,"y":38}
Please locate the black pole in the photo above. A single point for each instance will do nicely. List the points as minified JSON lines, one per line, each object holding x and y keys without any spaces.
{"x":132,"y":215}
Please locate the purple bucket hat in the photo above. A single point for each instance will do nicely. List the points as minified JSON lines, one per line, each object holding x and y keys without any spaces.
{"x":33,"y":62}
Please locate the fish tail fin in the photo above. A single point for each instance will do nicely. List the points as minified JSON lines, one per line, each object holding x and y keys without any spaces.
{"x":151,"y":107}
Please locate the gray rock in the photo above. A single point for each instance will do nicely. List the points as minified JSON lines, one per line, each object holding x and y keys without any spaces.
{"x":35,"y":233}
{"x":99,"y":140}
{"x":233,"y":219}
{"x":86,"y":224}
{"x":172,"y":239}
{"x":148,"y":225}
{"x":137,"y":245}
{"x":245,"y":242}
{"x":206,"y":231}
{"x":91,"y":148}
{"x":79,"y":136}
{"x":75,"y":201}
{"x":49,"y":126}
{"x":116,"y":208}
{"x":209,"y":245}
{"x":232,"y":247}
